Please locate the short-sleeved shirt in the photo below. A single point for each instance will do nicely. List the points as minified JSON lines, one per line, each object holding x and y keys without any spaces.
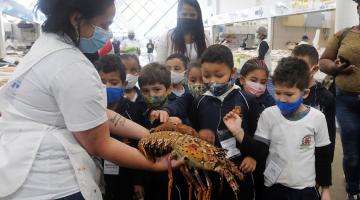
{"x":349,"y":48}
{"x":294,"y":143}
{"x":64,"y":91}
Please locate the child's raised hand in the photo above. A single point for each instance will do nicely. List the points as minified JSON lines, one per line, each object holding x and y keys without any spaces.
{"x":161,"y":115}
{"x":248,"y":165}
{"x":233,"y":122}
{"x":207,"y":135}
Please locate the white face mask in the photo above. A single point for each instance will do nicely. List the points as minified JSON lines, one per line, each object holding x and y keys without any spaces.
{"x":131,"y":81}
{"x":177,"y":78}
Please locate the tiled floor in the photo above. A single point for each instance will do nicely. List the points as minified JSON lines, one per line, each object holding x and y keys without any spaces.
{"x":338,"y":188}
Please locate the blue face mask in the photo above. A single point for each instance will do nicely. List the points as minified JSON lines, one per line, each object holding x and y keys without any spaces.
{"x":218,"y":89}
{"x":95,"y":42}
{"x":288,"y":108}
{"x":114,"y":95}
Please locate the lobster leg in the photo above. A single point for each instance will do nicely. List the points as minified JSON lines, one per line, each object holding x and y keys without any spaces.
{"x":209,"y":183}
{"x":189,"y":179}
{"x":232,"y":182}
{"x":172,"y":156}
{"x":202,"y":185}
{"x":234,"y":170}
{"x":195,"y":182}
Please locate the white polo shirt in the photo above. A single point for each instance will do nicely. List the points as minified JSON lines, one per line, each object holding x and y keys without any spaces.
{"x":293,"y":142}
{"x":62,"y":92}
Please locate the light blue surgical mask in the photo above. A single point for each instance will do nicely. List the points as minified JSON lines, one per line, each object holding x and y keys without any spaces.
{"x":96,"y":41}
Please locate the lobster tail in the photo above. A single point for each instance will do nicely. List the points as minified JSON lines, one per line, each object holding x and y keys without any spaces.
{"x":158,"y":144}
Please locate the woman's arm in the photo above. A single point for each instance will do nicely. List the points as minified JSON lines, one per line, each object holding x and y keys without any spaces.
{"x":98,"y":142}
{"x":327,"y":62}
{"x":123,"y":127}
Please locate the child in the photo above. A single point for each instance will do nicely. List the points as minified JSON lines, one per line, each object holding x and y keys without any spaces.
{"x":120,"y":182}
{"x":291,"y":136}
{"x":222,"y":96}
{"x":132,"y":68}
{"x":319,"y":97}
{"x":253,"y":78}
{"x":195,"y":83}
{"x":180,"y":107}
{"x":177,"y":64}
{"x":154,"y":82}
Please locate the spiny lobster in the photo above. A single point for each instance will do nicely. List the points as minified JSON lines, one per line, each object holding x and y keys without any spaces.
{"x":181,"y":142}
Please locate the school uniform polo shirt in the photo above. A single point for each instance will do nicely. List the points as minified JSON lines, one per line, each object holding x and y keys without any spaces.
{"x":292,"y":145}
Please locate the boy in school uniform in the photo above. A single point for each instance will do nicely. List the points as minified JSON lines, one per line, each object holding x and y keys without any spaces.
{"x":208,"y":110}
{"x":154,"y":82}
{"x":120,"y":182}
{"x":291,"y":136}
{"x":319,"y":97}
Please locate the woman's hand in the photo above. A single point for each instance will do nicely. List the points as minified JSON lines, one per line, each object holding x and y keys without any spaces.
{"x":343,"y":68}
{"x":162,"y":164}
{"x":248,"y":165}
{"x":207,"y":135}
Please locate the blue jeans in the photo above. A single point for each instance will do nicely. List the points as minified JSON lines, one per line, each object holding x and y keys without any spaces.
{"x":76,"y":196}
{"x":348,"y":116}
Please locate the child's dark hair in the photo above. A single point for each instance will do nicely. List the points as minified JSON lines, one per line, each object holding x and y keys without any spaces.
{"x":111,"y":63}
{"x":131,"y":56}
{"x":184,"y":59}
{"x":155,"y":73}
{"x":219,"y":54}
{"x":193,"y":65}
{"x":252,"y":65}
{"x":292,"y":72}
{"x":307,"y":51}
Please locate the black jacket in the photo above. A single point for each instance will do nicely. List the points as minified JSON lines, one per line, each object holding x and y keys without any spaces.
{"x":207,"y":112}
{"x":323,"y":100}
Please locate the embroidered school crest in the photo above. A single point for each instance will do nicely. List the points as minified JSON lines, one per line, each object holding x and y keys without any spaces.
{"x":306,"y":141}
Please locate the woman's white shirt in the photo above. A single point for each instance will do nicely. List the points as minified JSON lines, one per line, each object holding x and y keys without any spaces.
{"x":164,"y":48}
{"x":63,"y":93}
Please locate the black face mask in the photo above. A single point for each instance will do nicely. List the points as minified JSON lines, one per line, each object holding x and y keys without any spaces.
{"x":187,"y":24}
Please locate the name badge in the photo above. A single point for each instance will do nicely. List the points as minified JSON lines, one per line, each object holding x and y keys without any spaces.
{"x":228,"y":142}
{"x":110,"y":168}
{"x":273,"y":169}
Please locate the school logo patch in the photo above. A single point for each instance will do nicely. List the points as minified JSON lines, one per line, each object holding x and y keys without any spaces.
{"x":305,"y":142}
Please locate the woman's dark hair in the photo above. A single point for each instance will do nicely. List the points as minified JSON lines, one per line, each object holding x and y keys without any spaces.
{"x":58,"y":14}
{"x":177,"y":36}
{"x":219,"y":54}
{"x":111,"y":63}
{"x":184,"y":59}
{"x":252,"y":65}
{"x":292,"y":72}
{"x":155,"y":73}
